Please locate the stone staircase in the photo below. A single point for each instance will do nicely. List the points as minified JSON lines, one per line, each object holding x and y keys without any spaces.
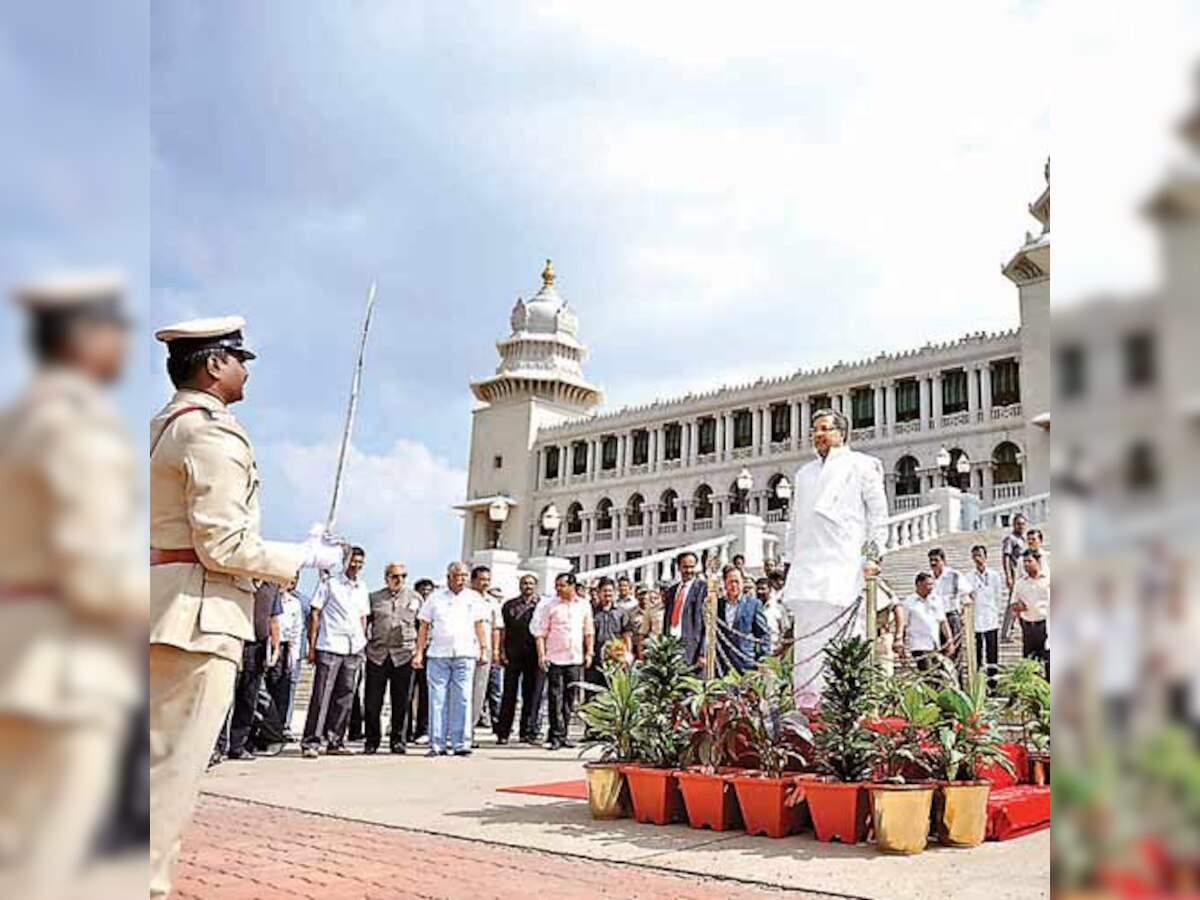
{"x":900,"y":567}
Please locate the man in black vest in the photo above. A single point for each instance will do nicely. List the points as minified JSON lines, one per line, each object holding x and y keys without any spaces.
{"x":518,"y":655}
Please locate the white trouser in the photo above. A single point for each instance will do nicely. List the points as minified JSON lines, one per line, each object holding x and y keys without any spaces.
{"x":818,"y":623}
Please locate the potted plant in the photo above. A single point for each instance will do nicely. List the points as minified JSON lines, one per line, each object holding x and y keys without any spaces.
{"x":611,"y":717}
{"x":665,"y":682}
{"x":901,"y":797}
{"x":773,"y":732}
{"x":968,"y":736}
{"x":842,"y":744}
{"x":710,"y":746}
{"x":1026,"y":695}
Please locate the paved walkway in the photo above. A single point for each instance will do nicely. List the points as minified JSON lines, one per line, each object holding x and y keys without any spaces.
{"x":246,"y":851}
{"x":457,"y":798}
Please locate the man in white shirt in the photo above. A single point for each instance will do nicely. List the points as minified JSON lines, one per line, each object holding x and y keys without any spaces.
{"x":450,"y":642}
{"x":1031,"y":601}
{"x":987,"y":592}
{"x":493,"y":629}
{"x":925,"y":625}
{"x":839,"y":507}
{"x":337,"y":634}
{"x":951,"y":589}
{"x":779,"y":620}
{"x":284,"y":657}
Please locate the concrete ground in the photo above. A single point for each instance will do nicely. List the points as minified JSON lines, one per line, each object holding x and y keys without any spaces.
{"x":457,"y":798}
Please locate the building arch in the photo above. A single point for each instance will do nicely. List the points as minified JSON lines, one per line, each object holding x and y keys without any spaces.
{"x":669,"y":502}
{"x":574,"y":519}
{"x":634,"y":510}
{"x":702,"y":503}
{"x":908,"y":481}
{"x":1006,"y":464}
{"x":604,"y":515}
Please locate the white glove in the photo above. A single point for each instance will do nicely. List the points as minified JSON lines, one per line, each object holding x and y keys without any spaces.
{"x":320,"y":550}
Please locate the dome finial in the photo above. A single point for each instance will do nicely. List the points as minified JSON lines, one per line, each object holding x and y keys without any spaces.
{"x":548,"y":274}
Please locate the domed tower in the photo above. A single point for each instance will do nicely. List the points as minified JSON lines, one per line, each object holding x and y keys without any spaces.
{"x":539,"y":382}
{"x":1029,"y":270}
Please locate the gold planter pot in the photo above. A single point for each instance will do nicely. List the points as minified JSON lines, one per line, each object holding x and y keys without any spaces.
{"x":608,"y":794}
{"x":1039,"y":768}
{"x":900,"y":813}
{"x":960,"y":813}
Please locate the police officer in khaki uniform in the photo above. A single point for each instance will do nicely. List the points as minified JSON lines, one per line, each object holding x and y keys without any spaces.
{"x":73,"y":587}
{"x":206,"y":551}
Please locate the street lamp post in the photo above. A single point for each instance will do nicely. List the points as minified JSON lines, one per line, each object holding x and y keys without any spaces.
{"x":744,"y":482}
{"x":783,"y":491}
{"x":497,"y":513}
{"x":551,"y":519}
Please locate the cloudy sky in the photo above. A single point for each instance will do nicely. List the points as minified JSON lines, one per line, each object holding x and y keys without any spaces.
{"x":725,"y":194}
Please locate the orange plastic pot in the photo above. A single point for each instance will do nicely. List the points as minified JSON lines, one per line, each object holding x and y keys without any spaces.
{"x":770,"y":806}
{"x":841,"y":811}
{"x":711,"y":801}
{"x":655,"y":795}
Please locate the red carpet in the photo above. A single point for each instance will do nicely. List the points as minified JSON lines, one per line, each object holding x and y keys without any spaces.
{"x":1017,"y":811}
{"x":566,"y":790}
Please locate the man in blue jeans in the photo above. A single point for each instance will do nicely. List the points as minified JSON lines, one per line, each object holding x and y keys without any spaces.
{"x":455,"y":616}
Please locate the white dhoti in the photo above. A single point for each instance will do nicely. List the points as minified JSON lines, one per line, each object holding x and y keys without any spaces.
{"x":839,"y":505}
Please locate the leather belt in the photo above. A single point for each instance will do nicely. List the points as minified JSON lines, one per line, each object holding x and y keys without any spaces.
{"x":19,"y":593}
{"x":171,"y":557}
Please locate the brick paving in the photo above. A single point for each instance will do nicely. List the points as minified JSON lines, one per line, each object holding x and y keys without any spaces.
{"x":236,"y":850}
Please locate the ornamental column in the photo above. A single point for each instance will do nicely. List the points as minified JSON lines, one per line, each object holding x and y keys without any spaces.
{"x":890,"y":405}
{"x":923,"y":388}
{"x":794,"y":433}
{"x":877,"y":394}
{"x":937,"y":399}
{"x":972,"y":397}
{"x":985,"y":405}
{"x":756,"y":431}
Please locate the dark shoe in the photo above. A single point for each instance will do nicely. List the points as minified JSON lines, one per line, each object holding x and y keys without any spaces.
{"x":466,"y":751}
{"x":554,"y":745}
{"x":338,"y":751}
{"x":501,"y":741}
{"x":567,"y":745}
{"x":432,"y":753}
{"x":244,"y":755}
{"x":400,"y":750}
{"x":370,"y":750}
{"x":310,"y":752}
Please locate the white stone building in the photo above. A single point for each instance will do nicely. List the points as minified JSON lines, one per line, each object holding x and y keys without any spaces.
{"x":653,"y":477}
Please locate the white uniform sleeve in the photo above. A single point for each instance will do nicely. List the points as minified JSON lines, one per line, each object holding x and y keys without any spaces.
{"x":874,"y":502}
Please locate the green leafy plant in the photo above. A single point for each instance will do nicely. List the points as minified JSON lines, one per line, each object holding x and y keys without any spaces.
{"x":612,"y":716}
{"x":767,"y":721}
{"x":898,"y":754}
{"x":712,"y":736}
{"x":1025,"y":693}
{"x":842,"y":742}
{"x":666,"y":681}
{"x":968,"y":731}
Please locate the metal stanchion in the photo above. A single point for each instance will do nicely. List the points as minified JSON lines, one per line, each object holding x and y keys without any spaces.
{"x":871,"y":557}
{"x":969,"y":639}
{"x":710,"y":616}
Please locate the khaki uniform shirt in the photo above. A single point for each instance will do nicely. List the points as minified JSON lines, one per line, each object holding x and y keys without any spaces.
{"x":393,"y":626}
{"x":70,"y":552}
{"x":204,"y":495}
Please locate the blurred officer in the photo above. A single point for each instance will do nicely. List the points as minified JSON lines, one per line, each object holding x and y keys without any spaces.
{"x":205,"y":549}
{"x":73,"y":590}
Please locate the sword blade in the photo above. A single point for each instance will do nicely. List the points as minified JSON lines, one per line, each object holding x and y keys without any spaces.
{"x":351,"y":409}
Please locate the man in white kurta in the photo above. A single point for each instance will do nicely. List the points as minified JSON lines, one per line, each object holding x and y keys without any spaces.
{"x":839,"y":505}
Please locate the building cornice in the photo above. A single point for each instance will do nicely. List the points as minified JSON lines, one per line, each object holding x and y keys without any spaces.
{"x":826,"y":379}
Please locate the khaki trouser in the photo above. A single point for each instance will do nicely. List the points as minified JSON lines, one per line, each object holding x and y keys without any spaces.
{"x":189,"y":696}
{"x":56,"y":785}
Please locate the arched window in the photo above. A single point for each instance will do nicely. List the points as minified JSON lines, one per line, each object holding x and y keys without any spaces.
{"x":575,"y":518}
{"x":1141,"y":468}
{"x":604,"y":516}
{"x":908,"y":482}
{"x":773,"y":501}
{"x":633,"y":510}
{"x":1006,"y":464}
{"x":962,"y":482}
{"x":551,"y":462}
{"x":670,"y":506}
{"x":703,"y":502}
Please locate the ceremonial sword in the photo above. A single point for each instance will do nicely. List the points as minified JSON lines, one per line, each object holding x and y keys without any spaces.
{"x":355,"y":383}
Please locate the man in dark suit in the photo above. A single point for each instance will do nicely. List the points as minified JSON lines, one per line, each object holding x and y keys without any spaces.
{"x":518,"y":654}
{"x":683,"y":608}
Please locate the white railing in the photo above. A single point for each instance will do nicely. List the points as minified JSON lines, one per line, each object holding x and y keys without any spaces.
{"x":1035,"y":509}
{"x":573,"y":539}
{"x":668,"y":527}
{"x":702,"y":525}
{"x":913,"y":527}
{"x":866,"y":433}
{"x":1012,"y":411}
{"x":908,"y":503}
{"x":775,"y":515}
{"x":632,"y":531}
{"x":722,"y":541}
{"x":954,"y":420}
{"x":780,"y":447}
{"x":1011,"y":491}
{"x":910,"y":427}
{"x":603,"y":534}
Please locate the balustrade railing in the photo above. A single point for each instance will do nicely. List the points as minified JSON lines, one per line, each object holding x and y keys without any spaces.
{"x":1036,"y":509}
{"x":912,"y":527}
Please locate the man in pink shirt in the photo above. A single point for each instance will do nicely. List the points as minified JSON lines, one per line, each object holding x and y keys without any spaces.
{"x":562,"y":627}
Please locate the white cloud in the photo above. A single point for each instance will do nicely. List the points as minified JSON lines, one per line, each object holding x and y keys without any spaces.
{"x":397,"y":504}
